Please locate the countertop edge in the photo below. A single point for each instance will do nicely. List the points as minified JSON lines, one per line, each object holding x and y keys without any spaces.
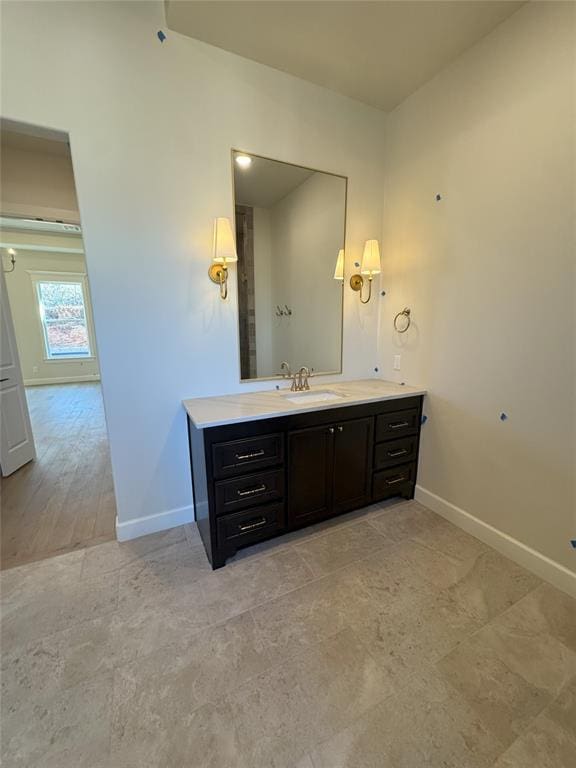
{"x":318,"y":406}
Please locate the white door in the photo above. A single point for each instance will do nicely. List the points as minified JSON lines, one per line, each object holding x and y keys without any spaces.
{"x":16,"y":441}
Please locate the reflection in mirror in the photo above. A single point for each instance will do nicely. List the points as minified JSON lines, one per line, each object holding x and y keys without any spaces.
{"x":290,"y":229}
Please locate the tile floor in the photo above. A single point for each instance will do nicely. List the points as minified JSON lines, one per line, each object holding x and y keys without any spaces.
{"x":383,"y":639}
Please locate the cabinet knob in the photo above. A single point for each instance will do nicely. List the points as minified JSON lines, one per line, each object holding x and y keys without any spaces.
{"x":330,"y":430}
{"x":340,"y":429}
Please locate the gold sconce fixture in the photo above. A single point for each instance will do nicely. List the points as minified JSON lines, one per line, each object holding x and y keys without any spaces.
{"x":224,"y":252}
{"x":370,"y":267}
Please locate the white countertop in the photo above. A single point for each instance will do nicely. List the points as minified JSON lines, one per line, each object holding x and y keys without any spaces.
{"x":269,"y":404}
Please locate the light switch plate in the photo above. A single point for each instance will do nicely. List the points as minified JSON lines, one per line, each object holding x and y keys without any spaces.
{"x":396,"y":362}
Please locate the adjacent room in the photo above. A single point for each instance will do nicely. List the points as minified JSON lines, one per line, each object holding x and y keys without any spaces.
{"x":288,"y":397}
{"x":57,"y":492}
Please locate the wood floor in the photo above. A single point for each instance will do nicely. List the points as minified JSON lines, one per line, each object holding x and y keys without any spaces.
{"x":65,"y":499}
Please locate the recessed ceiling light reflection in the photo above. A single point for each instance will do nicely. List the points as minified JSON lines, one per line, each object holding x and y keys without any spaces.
{"x":244,"y":161}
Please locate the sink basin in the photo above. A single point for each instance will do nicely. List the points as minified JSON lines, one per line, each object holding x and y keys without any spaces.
{"x":312,"y":396}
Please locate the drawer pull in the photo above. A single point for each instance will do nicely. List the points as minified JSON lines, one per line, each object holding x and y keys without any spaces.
{"x":340,"y":429}
{"x":399,"y":425}
{"x":253,"y":455}
{"x":252,"y":491}
{"x":395,"y":480}
{"x":401,"y":452}
{"x":252,"y":526}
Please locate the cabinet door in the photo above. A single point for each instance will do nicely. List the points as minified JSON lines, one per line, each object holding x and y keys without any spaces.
{"x":352,"y":464}
{"x":310,"y":462}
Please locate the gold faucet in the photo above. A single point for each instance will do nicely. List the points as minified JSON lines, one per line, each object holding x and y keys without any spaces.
{"x":300,"y":380}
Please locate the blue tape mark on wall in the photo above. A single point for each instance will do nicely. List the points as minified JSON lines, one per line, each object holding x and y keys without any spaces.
{"x":424,"y":419}
{"x":161,"y":36}
{"x":503,"y":416}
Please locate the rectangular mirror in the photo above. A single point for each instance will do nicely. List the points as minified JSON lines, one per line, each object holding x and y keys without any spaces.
{"x":290,"y":228}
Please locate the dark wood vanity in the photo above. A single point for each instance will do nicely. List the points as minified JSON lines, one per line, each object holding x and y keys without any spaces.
{"x":258,"y":479}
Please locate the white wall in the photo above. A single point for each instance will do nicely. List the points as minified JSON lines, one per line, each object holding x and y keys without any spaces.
{"x":151,"y":126}
{"x":24,"y":307}
{"x":489,"y":275}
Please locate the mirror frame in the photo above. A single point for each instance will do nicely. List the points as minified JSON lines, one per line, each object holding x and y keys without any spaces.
{"x":279,"y":376}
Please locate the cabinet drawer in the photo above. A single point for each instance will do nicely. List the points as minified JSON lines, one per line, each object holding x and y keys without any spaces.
{"x":245,"y":491}
{"x":387,"y":482}
{"x":395,"y":452}
{"x":250,"y":525}
{"x":239,"y":456}
{"x":396,"y":424}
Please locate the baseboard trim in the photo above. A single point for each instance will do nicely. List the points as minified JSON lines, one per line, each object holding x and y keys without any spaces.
{"x":60,"y":380}
{"x":525,"y":556}
{"x":142,"y":526}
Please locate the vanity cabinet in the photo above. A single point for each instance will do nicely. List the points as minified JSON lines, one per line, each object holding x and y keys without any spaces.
{"x":257,"y":479}
{"x":328,"y":470}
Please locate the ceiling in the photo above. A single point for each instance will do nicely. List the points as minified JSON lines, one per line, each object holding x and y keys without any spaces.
{"x":265,"y":182}
{"x":378,"y":52}
{"x":46,"y":142}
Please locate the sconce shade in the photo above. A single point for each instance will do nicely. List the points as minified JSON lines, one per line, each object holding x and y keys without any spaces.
{"x":224,"y":246}
{"x":339,"y":271}
{"x":371,"y":258}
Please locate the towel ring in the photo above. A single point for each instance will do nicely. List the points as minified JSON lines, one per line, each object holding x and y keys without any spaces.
{"x":406,"y":315}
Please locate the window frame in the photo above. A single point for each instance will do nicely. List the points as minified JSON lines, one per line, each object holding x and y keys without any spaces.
{"x":72,"y":278}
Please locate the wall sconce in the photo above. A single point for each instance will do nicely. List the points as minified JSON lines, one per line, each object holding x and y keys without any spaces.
{"x":339,"y":271}
{"x":370,"y":267}
{"x":224,"y":252}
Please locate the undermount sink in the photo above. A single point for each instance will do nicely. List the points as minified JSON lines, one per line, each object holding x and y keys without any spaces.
{"x":311,"y":396}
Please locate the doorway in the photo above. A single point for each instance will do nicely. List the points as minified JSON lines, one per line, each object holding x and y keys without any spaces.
{"x":57,"y":490}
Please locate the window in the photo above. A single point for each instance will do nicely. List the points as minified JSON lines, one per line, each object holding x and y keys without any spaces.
{"x":64,"y":317}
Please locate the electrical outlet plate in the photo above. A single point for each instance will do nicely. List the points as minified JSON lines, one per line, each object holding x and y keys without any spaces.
{"x":396,"y":362}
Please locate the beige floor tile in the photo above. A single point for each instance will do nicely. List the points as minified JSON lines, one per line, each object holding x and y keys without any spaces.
{"x":168,"y":685}
{"x":114,"y":555}
{"x":161,"y":571}
{"x":521,"y":638}
{"x":427,"y":652}
{"x":205,"y":738}
{"x":563,"y":708}
{"x":274,"y":718}
{"x":491,"y":584}
{"x":390,"y":576}
{"x":56,"y":608}
{"x":310,"y":614}
{"x":68,"y":729}
{"x":403,"y":521}
{"x":504,"y":700}
{"x":452,"y":541}
{"x":425,"y":726}
{"x":342,"y":681}
{"x":27,"y":581}
{"x":544,"y":745}
{"x":415,"y":633}
{"x":225,"y":593}
{"x":58,"y":661}
{"x":327,"y":553}
{"x":547,"y":610}
{"x":305,"y":762}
